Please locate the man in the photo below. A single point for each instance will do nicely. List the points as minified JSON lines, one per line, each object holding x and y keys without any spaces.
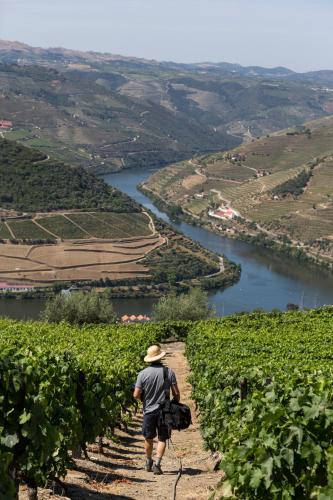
{"x":150,"y":387}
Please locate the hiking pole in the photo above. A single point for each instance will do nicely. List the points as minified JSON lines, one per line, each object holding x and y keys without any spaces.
{"x":180,"y":471}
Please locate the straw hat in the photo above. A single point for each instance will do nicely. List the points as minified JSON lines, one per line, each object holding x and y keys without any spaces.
{"x":154,"y":353}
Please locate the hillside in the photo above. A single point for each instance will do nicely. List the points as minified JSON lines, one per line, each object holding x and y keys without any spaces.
{"x":51,"y":185}
{"x":280,"y":188}
{"x":61,"y":224}
{"x":108,"y":112}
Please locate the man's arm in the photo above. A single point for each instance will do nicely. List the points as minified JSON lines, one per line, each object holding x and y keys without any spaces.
{"x":138,"y":387}
{"x":175,"y":391}
{"x":137,"y":393}
{"x":174,"y":385}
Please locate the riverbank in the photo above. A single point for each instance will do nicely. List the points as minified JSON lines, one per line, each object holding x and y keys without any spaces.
{"x":268,"y":280}
{"x":242,"y":230}
{"x":160,"y":262}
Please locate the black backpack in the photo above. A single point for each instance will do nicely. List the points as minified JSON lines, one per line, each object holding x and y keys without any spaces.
{"x":175,"y":415}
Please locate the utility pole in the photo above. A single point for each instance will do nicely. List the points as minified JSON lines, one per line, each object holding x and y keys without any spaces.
{"x":301,"y":304}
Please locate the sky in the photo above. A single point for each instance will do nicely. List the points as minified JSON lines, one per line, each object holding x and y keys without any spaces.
{"x":297,"y":34}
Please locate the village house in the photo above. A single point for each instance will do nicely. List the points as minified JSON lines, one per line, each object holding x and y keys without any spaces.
{"x":7,"y":287}
{"x":5,"y":124}
{"x":222,"y":213}
{"x":135,"y":319}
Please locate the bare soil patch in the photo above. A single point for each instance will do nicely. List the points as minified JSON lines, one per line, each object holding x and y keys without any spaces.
{"x":87,"y":260}
{"x":192,"y":181}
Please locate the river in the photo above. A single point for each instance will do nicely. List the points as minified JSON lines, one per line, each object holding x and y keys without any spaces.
{"x":267,"y":281}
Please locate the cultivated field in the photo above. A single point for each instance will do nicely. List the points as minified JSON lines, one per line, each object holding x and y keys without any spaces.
{"x":259,"y":179}
{"x":27,"y":229}
{"x":4,"y":233}
{"x":76,"y":246}
{"x":90,"y":259}
{"x":77,"y":225}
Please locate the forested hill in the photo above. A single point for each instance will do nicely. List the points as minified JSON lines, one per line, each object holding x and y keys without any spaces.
{"x":30,"y":181}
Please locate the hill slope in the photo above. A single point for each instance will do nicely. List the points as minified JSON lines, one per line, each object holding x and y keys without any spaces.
{"x":76,"y":228}
{"x":109,"y":112}
{"x":281,"y":187}
{"x":51,"y":185}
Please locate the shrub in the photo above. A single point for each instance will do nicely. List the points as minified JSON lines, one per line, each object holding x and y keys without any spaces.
{"x":79,"y":308}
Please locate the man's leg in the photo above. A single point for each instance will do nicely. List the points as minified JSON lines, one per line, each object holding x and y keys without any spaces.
{"x":159,"y":455}
{"x":149,"y":443}
{"x":149,"y":447}
{"x":149,"y":433}
{"x":163,"y":435}
{"x":161,"y":445}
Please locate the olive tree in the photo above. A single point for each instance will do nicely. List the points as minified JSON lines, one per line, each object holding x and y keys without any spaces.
{"x":187,"y":306}
{"x":79,"y":308}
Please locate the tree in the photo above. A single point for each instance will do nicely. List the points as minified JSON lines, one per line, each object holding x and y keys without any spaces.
{"x":191,"y":306}
{"x":79,"y":308}
{"x":292,"y":307}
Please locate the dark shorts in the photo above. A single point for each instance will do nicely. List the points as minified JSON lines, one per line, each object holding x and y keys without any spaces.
{"x":151,"y":427}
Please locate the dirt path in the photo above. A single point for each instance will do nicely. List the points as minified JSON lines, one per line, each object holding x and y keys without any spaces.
{"x":10,"y":230}
{"x":119,"y":474}
{"x":77,"y":225}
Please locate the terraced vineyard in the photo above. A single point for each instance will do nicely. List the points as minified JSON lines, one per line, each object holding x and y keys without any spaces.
{"x":171,"y":178}
{"x":62,"y":224}
{"x":244,"y":196}
{"x":108,"y":225}
{"x":28,"y":230}
{"x":4,"y":233}
{"x":223,"y":169}
{"x":62,"y":227}
{"x":139,"y":221}
{"x":307,"y":228}
{"x":282,"y":182}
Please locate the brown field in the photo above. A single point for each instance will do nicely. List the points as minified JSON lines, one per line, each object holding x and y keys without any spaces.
{"x":193,"y":180}
{"x":83,"y":260}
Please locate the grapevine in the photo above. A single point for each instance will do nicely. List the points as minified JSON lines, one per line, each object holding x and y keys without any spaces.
{"x":60,"y":387}
{"x":276,"y":437}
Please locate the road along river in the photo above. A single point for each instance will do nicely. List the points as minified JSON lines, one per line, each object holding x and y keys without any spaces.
{"x":267,"y":281}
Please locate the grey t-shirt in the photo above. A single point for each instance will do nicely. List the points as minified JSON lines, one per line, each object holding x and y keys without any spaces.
{"x":151,"y":382}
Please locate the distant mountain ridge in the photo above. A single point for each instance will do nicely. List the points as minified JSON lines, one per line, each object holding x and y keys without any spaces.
{"x":22,"y":49}
{"x":107,"y":112}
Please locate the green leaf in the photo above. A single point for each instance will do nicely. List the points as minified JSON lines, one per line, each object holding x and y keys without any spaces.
{"x":10,"y":440}
{"x":24,"y":417}
{"x":267,"y":468}
{"x":256,"y":478}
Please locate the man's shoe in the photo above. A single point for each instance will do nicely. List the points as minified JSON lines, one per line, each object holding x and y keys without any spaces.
{"x":148,"y":466}
{"x":157,"y":469}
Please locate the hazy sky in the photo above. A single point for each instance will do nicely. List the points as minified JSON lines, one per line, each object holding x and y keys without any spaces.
{"x":293,"y":33}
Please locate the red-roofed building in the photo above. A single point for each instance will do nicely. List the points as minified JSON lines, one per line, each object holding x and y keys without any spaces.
{"x":5,"y":124}
{"x":222,"y":213}
{"x":9,"y":287}
{"x":135,"y":319}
